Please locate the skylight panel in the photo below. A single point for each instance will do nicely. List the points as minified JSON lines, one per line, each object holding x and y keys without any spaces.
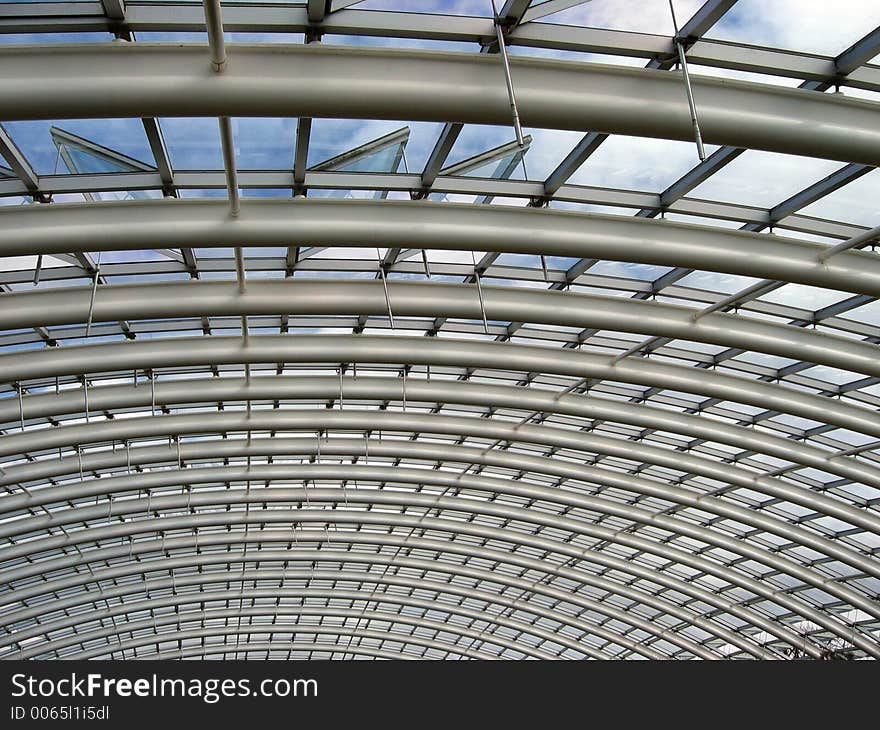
{"x":264,"y":143}
{"x":857,"y":202}
{"x":811,"y":26}
{"x":125,"y":136}
{"x":804,"y":297}
{"x":763,"y":179}
{"x":193,"y":143}
{"x":637,"y":163}
{"x":647,"y":16}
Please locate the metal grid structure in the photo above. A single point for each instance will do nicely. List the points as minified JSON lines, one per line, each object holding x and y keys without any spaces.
{"x":450,"y":409}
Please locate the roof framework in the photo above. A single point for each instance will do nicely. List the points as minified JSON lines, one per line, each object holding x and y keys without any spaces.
{"x":458,"y":408}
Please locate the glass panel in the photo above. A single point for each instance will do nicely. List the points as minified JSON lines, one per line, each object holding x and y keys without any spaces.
{"x":638,"y":163}
{"x":264,"y":143}
{"x":712,"y":281}
{"x":382,"y":160}
{"x":475,"y":139}
{"x":804,"y":297}
{"x":82,"y":155}
{"x":477,"y":8}
{"x":857,"y":202}
{"x":867,"y":313}
{"x":497,"y":167}
{"x":122,"y":136}
{"x":42,"y":38}
{"x":813,"y":26}
{"x":628,"y":270}
{"x":763,"y":179}
{"x":193,"y":143}
{"x":647,"y":16}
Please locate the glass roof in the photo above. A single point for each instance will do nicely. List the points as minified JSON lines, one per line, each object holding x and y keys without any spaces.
{"x":630,"y":407}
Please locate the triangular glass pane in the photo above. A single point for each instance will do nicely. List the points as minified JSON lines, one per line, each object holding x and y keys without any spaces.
{"x":82,"y":161}
{"x":383,"y":154}
{"x":82,"y":156}
{"x":387,"y":160}
{"x":492,"y":168}
{"x":498,"y":162}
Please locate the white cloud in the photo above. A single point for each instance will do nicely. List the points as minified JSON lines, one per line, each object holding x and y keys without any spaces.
{"x":764,"y":178}
{"x":815,"y":26}
{"x":645,"y":16}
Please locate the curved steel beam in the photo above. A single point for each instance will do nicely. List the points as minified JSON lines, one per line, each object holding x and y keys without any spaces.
{"x":111,"y":431}
{"x":115,"y":530}
{"x":335,"y":594}
{"x":418,"y":390}
{"x":265,"y":574}
{"x":38,"y":649}
{"x":143,"y":79}
{"x":440,"y":479}
{"x":52,"y":307}
{"x":565,"y":470}
{"x":108,"y":487}
{"x":189,"y":351}
{"x":168,"y":563}
{"x":269,"y":472}
{"x":469,"y":551}
{"x":68,"y":228}
{"x":289,"y":628}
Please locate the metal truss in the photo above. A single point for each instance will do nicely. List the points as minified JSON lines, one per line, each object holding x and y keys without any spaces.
{"x":460,"y":410}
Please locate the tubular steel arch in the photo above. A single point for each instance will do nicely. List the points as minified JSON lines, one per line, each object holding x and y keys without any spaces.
{"x":529,"y":587}
{"x":418,"y":224}
{"x":129,"y":528}
{"x":423,"y":584}
{"x":147,"y":355}
{"x":439,"y":479}
{"x":178,"y":394}
{"x":143,"y":79}
{"x":437,"y":393}
{"x":59,"y":307}
{"x":434,"y":424}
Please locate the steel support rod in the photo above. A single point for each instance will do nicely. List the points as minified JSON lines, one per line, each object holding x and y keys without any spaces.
{"x":499,"y":34}
{"x":854,"y":242}
{"x":95,"y":277}
{"x":383,"y":276}
{"x":228,"y":143}
{"x":214,"y":26}
{"x":214,"y":23}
